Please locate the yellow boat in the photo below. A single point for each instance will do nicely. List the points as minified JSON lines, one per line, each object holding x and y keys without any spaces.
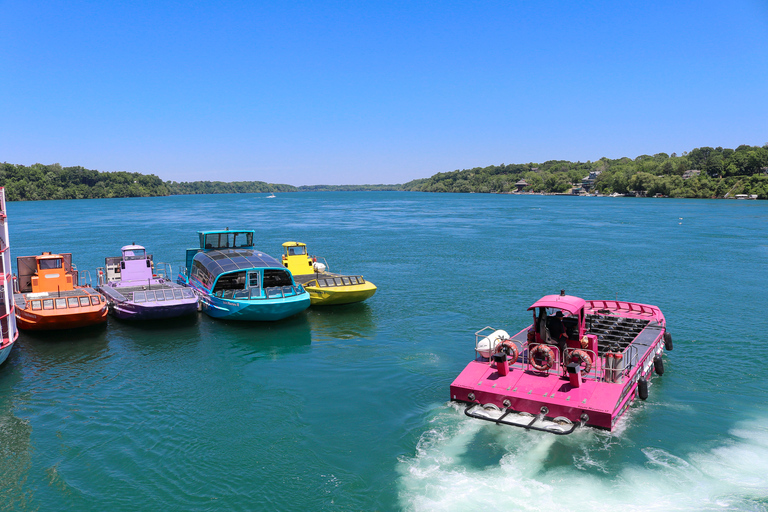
{"x":325,"y":288}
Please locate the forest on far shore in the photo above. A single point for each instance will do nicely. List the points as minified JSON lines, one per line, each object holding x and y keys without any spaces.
{"x":721,"y":172}
{"x":718,"y":172}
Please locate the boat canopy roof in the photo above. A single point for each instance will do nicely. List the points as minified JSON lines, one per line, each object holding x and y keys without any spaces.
{"x":294,"y":244}
{"x":226,"y":260}
{"x":565,"y":302}
{"x":226,"y":239}
{"x":131,"y":249}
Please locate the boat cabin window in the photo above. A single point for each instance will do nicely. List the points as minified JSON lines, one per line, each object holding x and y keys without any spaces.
{"x":48,"y":304}
{"x":231,"y":281}
{"x":201,"y":273}
{"x":276,"y":277}
{"x":177,"y":294}
{"x":84,"y":301}
{"x":95,"y":300}
{"x":36,"y":305}
{"x":139,"y":297}
{"x":229,"y":240}
{"x":253,"y":279}
{"x":61,"y":303}
{"x":136,"y":254}
{"x":187,"y":293}
{"x":72,"y":302}
{"x":48,"y":264}
{"x":297,"y":250}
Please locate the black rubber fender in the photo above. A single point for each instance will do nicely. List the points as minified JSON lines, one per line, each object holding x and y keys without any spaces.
{"x":658,"y":365}
{"x":668,"y":341}
{"x":642,"y":388}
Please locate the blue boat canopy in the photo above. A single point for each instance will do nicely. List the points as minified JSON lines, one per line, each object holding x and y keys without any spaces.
{"x":227,"y":260}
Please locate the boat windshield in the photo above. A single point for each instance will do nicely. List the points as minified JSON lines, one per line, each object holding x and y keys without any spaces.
{"x":47,"y":264}
{"x":136,"y":254}
{"x":297,"y":251}
{"x":276,"y":277}
{"x":231,"y":281}
{"x":228,"y":240}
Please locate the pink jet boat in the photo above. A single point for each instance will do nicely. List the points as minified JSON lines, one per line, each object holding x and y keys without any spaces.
{"x":581,"y":362}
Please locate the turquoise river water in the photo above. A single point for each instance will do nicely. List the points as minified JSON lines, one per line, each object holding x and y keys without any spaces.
{"x":346,"y":408}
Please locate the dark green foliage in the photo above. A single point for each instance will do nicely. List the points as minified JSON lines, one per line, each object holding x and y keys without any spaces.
{"x":224,"y":187}
{"x":723,"y":172}
{"x":39,"y":182}
{"x":348,"y":188}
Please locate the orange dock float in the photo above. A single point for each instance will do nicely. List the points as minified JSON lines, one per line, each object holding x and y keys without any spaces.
{"x":49,"y":297}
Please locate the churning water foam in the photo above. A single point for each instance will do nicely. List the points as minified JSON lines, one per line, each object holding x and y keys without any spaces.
{"x":465,"y":464}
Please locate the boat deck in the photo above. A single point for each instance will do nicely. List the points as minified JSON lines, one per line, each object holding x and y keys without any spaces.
{"x":21,"y":299}
{"x":329,"y":279}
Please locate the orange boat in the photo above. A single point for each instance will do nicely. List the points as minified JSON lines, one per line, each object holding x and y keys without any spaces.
{"x":49,"y":297}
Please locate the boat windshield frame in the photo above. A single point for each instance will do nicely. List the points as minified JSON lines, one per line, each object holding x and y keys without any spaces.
{"x":226,"y":239}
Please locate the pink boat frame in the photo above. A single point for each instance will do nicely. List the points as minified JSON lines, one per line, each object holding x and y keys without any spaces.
{"x":562,"y":397}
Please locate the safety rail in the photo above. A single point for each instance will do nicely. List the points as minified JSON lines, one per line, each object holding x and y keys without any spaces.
{"x":614,"y":372}
{"x":597,"y":366}
{"x":163,"y":270}
{"x":272,"y":292}
{"x":316,"y":259}
{"x":83,"y":277}
{"x":620,"y":305}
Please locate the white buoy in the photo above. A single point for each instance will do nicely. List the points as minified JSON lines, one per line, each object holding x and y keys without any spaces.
{"x":488,"y":344}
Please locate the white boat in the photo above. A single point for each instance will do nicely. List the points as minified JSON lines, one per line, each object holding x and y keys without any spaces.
{"x":8,"y":331}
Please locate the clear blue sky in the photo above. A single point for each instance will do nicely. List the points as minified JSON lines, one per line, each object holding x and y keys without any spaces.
{"x":354,"y":92}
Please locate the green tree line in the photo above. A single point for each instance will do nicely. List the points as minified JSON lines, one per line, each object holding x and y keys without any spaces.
{"x":39,"y":182}
{"x":723,"y":172}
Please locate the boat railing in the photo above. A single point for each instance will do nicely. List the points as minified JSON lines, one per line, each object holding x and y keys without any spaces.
{"x":595,"y":368}
{"x":183,"y":270}
{"x":624,"y":306}
{"x":614,"y":369}
{"x":82,"y":277}
{"x":523,"y":361}
{"x":327,"y":266}
{"x":163,"y":270}
{"x":272,"y":292}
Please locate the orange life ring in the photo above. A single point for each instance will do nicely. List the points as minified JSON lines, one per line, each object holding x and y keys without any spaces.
{"x":509,"y":348}
{"x":546,"y":355}
{"x":583,"y":359}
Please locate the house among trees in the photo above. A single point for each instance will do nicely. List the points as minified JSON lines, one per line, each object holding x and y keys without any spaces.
{"x":589,"y":181}
{"x":691,"y":173}
{"x":521,"y":185}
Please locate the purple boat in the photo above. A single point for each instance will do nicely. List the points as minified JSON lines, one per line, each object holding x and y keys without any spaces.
{"x":136,"y":290}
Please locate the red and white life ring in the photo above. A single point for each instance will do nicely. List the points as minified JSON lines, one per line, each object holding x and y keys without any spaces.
{"x":509,"y":348}
{"x":584,"y":360}
{"x":544,"y":354}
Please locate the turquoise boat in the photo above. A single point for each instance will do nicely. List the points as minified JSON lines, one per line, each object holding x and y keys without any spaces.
{"x":236,"y":281}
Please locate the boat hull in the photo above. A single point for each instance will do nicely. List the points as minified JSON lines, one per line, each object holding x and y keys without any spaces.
{"x":266,"y":310}
{"x":5,"y":350}
{"x":47,"y":322}
{"x":324,"y":296}
{"x":132,"y":311}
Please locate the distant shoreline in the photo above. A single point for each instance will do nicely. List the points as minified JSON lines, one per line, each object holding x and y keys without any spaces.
{"x":704,"y":173}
